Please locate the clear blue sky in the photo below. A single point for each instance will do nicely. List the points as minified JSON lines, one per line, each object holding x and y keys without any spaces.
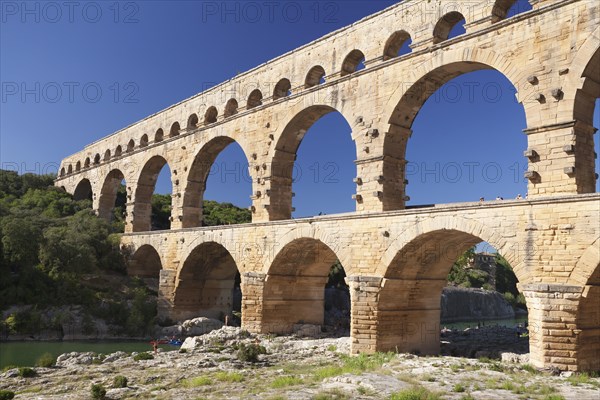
{"x":146,"y":55}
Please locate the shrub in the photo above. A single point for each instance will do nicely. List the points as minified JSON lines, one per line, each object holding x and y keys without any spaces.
{"x":119,"y":381}
{"x":458,"y":388}
{"x":6,"y":395}
{"x":25,"y":372}
{"x":143,"y":356}
{"x":197,"y":381}
{"x":229,"y":376}
{"x":284,"y":381}
{"x":415,"y":393}
{"x":250,"y":353}
{"x":46,"y":360}
{"x":98,"y":391}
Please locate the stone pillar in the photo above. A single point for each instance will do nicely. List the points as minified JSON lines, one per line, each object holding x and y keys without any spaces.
{"x":380,"y":167}
{"x":166,"y":288}
{"x":252,"y":285}
{"x":364,"y":296}
{"x":553,"y":330}
{"x":561,"y":159}
{"x":588,"y":321}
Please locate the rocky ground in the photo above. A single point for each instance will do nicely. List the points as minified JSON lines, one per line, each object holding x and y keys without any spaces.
{"x":209,"y":367}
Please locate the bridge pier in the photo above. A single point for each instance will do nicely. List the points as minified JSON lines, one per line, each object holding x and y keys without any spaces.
{"x":364,"y":294}
{"x":561,"y":159}
{"x":253,"y":284}
{"x":555,"y":334}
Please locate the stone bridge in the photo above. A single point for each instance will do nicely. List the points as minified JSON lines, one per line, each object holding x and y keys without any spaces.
{"x":396,"y":259}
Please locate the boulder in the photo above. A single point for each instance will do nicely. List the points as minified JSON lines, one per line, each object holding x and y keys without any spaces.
{"x":307,"y":330}
{"x":200,"y":326}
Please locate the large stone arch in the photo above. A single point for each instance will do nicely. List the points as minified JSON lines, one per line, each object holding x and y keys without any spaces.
{"x":108,"y":193}
{"x":409,"y":298}
{"x":83,"y":190}
{"x":588,"y":319}
{"x":469,"y":229}
{"x":586,"y":265}
{"x":286,"y":147}
{"x":145,"y":262}
{"x":142,"y":200}
{"x":404,"y":105}
{"x":579,"y":85}
{"x":332,"y":239}
{"x":582,"y":88}
{"x":198,"y":175}
{"x":205,"y":283}
{"x":294,"y":287}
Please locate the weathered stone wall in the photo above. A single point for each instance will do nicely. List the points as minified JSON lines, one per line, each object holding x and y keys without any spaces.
{"x":547,"y":54}
{"x":396,"y":260}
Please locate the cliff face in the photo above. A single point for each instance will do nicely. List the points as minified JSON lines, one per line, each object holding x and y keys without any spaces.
{"x":461,"y":304}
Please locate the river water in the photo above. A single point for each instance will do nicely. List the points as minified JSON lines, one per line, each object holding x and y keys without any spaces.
{"x":26,"y":353}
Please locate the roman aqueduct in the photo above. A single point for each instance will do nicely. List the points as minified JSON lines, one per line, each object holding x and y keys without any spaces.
{"x":396,"y":258}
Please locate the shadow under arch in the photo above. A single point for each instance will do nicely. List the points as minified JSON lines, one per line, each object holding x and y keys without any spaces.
{"x":200,"y":169}
{"x":83,"y":190}
{"x":588,"y":321}
{"x":409,"y":300}
{"x":207,"y":285}
{"x":403,"y":111}
{"x":282,"y":167}
{"x":145,"y":262}
{"x":294,"y":291}
{"x":108,"y":193}
{"x":142,"y":207}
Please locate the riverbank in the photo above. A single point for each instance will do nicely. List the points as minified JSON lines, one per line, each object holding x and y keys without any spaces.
{"x":219,"y":365}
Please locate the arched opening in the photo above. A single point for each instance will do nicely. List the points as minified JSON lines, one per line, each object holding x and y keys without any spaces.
{"x":314,"y":77}
{"x":97,"y":159}
{"x":192,"y":122}
{"x":175,"y":128}
{"x":86,"y":163}
{"x":145,"y":263}
{"x":159,"y":136}
{"x":231,"y":108}
{"x":312,"y":169}
{"x":588,"y":322}
{"x":282,"y":89}
{"x":208,"y":284}
{"x":62,"y":171}
{"x":130,"y":146}
{"x":83,"y":191}
{"x":70,"y":169}
{"x":353,"y":62}
{"x":457,"y":107}
{"x":597,"y":142}
{"x":586,"y":110}
{"x":295,"y":287}
{"x":448,"y":27}
{"x":219,"y":172}
{"x":153,"y":211}
{"x":112,"y":200}
{"x":210,"y":117}
{"x":78,"y":166}
{"x":107,"y":155}
{"x":397,"y":45}
{"x":440,"y":279}
{"x":118,"y":151}
{"x":255,"y":99}
{"x":509,"y":8}
{"x":144,"y":141}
